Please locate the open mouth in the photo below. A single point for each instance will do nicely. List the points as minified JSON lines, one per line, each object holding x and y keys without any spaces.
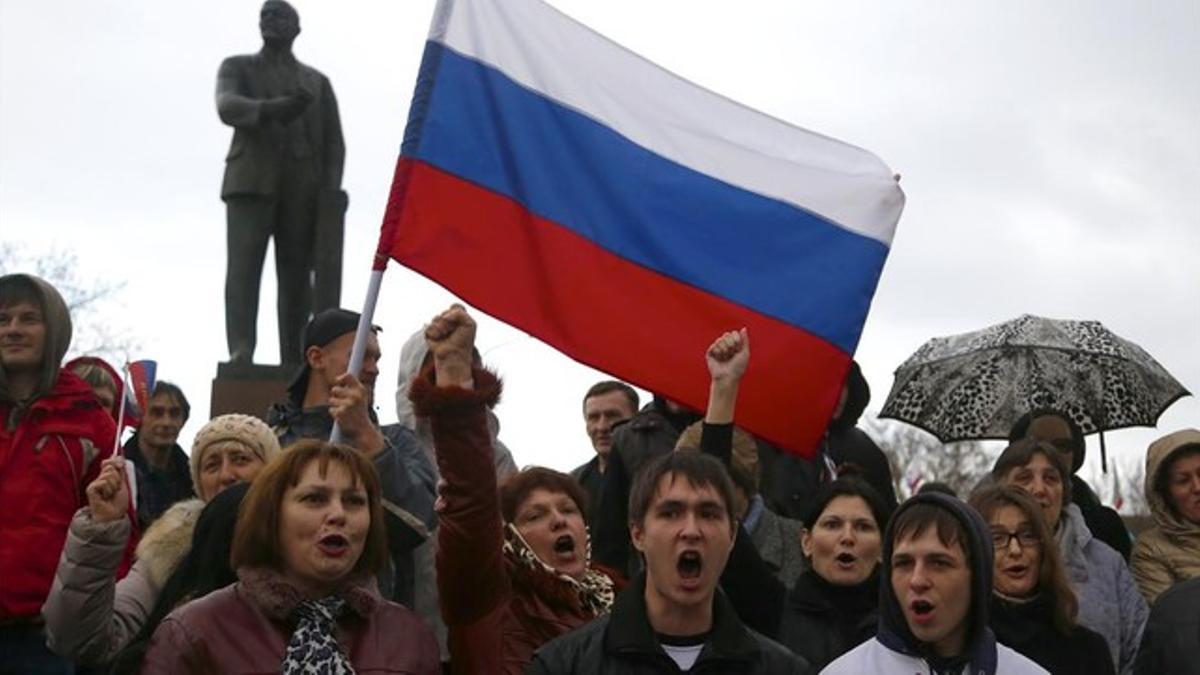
{"x":690,"y":565}
{"x":846,"y":558}
{"x":334,"y":544}
{"x":564,"y":545}
{"x":1016,"y":570}
{"x":922,"y":609}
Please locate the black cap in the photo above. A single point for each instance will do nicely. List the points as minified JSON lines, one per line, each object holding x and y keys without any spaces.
{"x":327,"y":326}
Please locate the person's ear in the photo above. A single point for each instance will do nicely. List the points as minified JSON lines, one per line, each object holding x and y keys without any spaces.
{"x":806,"y":543}
{"x":637,"y":534}
{"x":314,"y":357}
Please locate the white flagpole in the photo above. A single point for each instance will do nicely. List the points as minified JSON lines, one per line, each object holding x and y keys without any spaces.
{"x":117,"y":449}
{"x":360,"y":338}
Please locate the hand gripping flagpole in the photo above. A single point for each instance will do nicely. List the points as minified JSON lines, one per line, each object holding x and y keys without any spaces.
{"x":360,"y":336}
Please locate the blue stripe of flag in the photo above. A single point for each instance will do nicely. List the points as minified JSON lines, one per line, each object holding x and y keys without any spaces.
{"x":472,"y":121}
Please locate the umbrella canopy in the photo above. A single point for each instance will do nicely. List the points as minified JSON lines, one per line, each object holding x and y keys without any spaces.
{"x":976,"y":385}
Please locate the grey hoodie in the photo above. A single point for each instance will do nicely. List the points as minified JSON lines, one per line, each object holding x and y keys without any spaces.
{"x":412,"y":357}
{"x":58,"y":334}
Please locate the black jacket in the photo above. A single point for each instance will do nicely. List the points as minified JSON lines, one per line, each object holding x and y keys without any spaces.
{"x":1104,"y":523}
{"x":1029,"y":628}
{"x":649,"y":434}
{"x":822,"y":621}
{"x":624,"y":643}
{"x":1171,"y":642}
{"x":789,"y":482}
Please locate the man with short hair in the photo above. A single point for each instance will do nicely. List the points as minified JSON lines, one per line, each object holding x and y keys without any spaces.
{"x":322,"y":392}
{"x":53,"y":436}
{"x":163,"y":473}
{"x":672,"y":618}
{"x":605,"y":405}
{"x":937,"y":584}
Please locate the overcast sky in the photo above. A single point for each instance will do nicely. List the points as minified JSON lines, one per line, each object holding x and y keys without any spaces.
{"x":1050,"y":153}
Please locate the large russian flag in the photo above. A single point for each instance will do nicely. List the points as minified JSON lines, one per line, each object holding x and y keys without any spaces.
{"x":626,"y":216}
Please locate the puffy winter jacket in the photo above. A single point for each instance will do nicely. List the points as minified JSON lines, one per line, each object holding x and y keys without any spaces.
{"x":47,"y":460}
{"x":1109,"y":601}
{"x":89,"y":615}
{"x":1169,"y":552}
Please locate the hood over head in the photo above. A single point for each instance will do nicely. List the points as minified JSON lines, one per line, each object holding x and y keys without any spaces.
{"x":412,"y":356}
{"x":79,"y":363}
{"x":1157,"y":458}
{"x":412,"y":360}
{"x":858,"y":395}
{"x":980,"y":641}
{"x":58,"y":329}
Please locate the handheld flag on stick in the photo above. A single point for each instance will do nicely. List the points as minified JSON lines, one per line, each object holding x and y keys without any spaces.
{"x":626,"y":216}
{"x":141,"y":385}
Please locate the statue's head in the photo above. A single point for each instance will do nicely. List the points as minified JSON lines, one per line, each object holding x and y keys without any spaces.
{"x":278,"y":22}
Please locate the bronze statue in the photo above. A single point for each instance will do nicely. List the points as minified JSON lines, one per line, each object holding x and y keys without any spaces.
{"x":283,"y":178}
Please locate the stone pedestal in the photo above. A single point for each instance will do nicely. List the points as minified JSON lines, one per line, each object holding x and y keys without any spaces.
{"x":249,"y":388}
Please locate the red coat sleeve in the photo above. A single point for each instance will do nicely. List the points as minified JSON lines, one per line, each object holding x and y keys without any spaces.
{"x":473,"y":583}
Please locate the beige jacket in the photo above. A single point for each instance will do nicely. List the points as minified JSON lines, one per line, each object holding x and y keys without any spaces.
{"x":89,"y":615}
{"x":1169,"y":552}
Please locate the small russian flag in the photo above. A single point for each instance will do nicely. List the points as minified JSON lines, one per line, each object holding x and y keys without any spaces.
{"x":141,"y":375}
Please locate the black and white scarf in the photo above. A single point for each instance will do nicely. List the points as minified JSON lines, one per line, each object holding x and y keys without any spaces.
{"x":313,"y":649}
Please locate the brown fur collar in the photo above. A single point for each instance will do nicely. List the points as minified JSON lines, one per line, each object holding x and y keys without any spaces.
{"x":277,"y":598}
{"x":168,"y":540}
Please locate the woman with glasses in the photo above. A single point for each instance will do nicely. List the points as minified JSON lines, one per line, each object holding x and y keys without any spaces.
{"x":1109,"y":601}
{"x":1033,"y":607}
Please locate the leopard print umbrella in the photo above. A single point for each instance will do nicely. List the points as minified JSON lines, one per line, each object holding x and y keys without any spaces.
{"x":976,"y":385}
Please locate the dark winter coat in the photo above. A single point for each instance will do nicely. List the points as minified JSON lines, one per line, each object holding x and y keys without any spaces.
{"x":789,"y":482}
{"x":624,"y":643}
{"x":1104,"y":523}
{"x":822,"y":621}
{"x":1171,"y":643}
{"x":245,"y":628}
{"x":1028,"y":627}
{"x":649,"y":434}
{"x":497,"y":611}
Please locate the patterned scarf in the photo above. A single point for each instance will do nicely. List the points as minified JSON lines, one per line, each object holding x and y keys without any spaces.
{"x":313,"y":650}
{"x":595,"y":589}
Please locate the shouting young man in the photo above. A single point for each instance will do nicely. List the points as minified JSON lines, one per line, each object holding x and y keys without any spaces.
{"x":672,"y":619}
{"x":933,"y":613}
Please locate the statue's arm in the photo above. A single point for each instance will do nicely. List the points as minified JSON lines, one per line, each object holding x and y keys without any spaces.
{"x":238,"y":108}
{"x":233,"y":105}
{"x":335,"y":147}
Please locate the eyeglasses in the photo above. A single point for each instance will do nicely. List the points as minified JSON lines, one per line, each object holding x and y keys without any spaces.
{"x":1025,"y":539}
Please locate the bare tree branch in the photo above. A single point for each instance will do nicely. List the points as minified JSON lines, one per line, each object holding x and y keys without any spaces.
{"x":93,"y":302}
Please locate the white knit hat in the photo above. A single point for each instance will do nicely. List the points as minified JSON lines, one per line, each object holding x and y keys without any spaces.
{"x":245,"y":429}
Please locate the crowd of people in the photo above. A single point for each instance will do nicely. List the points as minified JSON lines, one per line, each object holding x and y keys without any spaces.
{"x":685,"y":545}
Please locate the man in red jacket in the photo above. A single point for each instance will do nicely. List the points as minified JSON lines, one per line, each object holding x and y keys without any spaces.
{"x":53,"y":436}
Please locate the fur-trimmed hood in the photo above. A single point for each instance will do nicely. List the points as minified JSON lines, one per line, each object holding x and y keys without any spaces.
{"x":168,"y":540}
